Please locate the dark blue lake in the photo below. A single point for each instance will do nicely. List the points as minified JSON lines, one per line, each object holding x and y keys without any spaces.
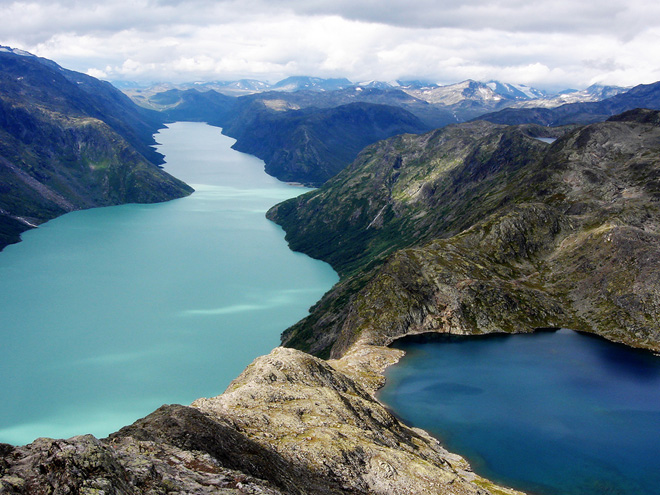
{"x":548,"y":413}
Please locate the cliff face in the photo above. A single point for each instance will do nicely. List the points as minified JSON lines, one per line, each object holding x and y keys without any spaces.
{"x":290,"y":423}
{"x":481,"y":228}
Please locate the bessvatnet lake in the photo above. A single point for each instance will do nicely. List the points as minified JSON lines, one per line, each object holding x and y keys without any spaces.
{"x":108,"y":313}
{"x":550,"y":413}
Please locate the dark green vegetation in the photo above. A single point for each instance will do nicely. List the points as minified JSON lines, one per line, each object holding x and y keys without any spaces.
{"x":69,"y":141}
{"x":479,"y":228}
{"x":312,"y":145}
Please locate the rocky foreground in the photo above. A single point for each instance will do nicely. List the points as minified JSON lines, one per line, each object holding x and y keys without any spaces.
{"x":291,"y":423}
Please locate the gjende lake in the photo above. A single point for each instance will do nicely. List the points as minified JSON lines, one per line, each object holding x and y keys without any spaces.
{"x":106,"y":314}
{"x":550,"y":413}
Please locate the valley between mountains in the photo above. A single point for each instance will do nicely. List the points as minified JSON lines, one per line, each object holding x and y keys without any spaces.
{"x":469,"y":228}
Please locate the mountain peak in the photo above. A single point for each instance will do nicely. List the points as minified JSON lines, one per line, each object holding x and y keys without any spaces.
{"x":15,"y":51}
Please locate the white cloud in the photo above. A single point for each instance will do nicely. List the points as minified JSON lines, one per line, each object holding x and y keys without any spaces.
{"x":545,"y":43}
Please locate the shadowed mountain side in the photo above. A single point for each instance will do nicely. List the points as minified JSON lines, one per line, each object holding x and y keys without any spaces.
{"x":312,"y":145}
{"x":480,"y":228}
{"x":67,"y":142}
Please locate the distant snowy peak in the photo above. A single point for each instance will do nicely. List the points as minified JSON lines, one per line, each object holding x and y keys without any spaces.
{"x":595,"y":92}
{"x":247,"y":85}
{"x":602,"y":92}
{"x":254,"y":84}
{"x":15,"y":51}
{"x":374,"y":85}
{"x":515,"y":91}
{"x":414,"y":84}
{"x":297,"y":83}
{"x":456,"y":93}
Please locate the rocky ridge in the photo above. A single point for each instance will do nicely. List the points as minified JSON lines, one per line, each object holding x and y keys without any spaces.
{"x":291,"y":423}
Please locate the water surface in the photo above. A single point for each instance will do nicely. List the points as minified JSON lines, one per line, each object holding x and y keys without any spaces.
{"x":106,"y":314}
{"x":549,"y":413}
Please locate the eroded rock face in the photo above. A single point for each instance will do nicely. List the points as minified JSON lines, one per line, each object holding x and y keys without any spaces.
{"x":87,"y":465}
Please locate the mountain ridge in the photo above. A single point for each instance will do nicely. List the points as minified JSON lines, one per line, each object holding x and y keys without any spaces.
{"x":481,"y":227}
{"x":68,"y":141}
{"x":267,"y":113}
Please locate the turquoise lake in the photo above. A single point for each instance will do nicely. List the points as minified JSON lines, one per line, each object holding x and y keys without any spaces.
{"x":106,"y":314}
{"x":551,"y":413}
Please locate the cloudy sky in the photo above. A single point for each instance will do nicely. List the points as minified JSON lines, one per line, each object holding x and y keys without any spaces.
{"x":551,"y":44}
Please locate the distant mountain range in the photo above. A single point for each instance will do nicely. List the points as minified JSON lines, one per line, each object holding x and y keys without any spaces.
{"x":288,"y":125}
{"x":507,"y":91}
{"x":642,"y":96}
{"x":506,"y":94}
{"x":595,"y":92}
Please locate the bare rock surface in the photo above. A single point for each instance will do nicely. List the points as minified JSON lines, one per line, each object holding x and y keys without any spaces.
{"x":328,"y":423}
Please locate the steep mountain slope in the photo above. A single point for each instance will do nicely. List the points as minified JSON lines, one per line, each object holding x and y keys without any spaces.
{"x":312,"y":145}
{"x":481,"y":228}
{"x":98,"y":99}
{"x":68,"y":142}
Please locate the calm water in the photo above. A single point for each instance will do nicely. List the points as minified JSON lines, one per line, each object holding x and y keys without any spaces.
{"x":550,"y":413}
{"x":106,"y":314}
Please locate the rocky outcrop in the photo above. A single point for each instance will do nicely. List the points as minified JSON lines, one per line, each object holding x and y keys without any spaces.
{"x":289,"y":424}
{"x":86,"y":465}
